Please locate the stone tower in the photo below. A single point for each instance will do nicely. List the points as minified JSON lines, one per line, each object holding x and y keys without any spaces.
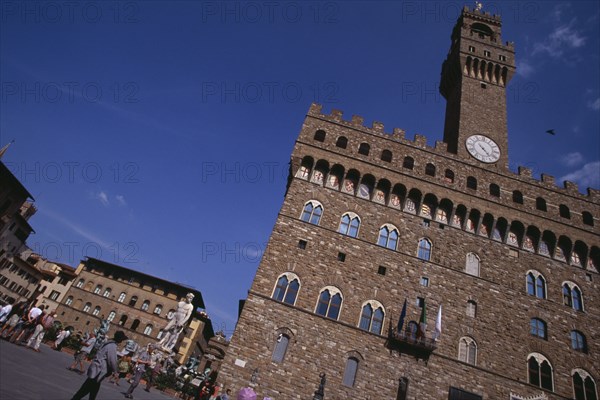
{"x":474,"y":79}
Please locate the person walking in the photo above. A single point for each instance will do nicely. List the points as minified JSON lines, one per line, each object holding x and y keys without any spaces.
{"x":142,"y":360}
{"x":62,"y":335}
{"x":103,"y":365}
{"x":86,"y":349}
{"x":4,"y":311}
{"x":45,"y":322}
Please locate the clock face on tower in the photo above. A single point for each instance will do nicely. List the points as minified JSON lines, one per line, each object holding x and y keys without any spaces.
{"x":483,"y":148}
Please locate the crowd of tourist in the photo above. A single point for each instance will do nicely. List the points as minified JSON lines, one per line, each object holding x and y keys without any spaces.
{"x":26,"y":324}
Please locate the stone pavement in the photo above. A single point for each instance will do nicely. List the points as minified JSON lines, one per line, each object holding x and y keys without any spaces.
{"x":27,"y":375}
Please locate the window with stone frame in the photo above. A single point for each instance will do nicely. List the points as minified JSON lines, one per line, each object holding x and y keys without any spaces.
{"x":572,"y":296}
{"x":388,"y":236}
{"x":69,"y":301}
{"x":122,"y":297}
{"x":350,"y":372}
{"x":87,"y":307}
{"x":148,"y":329}
{"x":540,"y":371}
{"x":578,"y":342}
{"x":312,"y":212}
{"x":98,"y":289}
{"x":80,"y":283}
{"x":349,"y":224}
{"x":281,"y":346}
{"x":536,"y":285}
{"x":424,"y":249}
{"x":472,"y":264}
{"x":287,"y":288}
{"x":107,"y":292}
{"x":471,"y":309}
{"x":584,"y":386}
{"x":96,"y":311}
{"x":329,"y":303}
{"x":145,"y":305}
{"x":537,"y":328}
{"x":372,"y":316}
{"x":111,"y":316}
{"x":157,"y":309}
{"x":467,"y":350}
{"x":459,"y":394}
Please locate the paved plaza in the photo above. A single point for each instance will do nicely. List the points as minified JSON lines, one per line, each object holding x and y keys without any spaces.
{"x":27,"y":375}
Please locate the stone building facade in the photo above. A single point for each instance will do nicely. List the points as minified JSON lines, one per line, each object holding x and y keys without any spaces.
{"x":137,"y":303}
{"x":372,"y":219}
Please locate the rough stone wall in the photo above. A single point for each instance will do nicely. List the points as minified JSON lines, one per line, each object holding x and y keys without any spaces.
{"x":502,"y":324}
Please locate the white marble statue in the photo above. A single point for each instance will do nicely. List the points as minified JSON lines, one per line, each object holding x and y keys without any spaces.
{"x":176,"y":324}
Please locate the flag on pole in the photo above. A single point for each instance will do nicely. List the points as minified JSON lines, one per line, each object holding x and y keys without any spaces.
{"x":422,"y":322}
{"x":438,"y":324}
{"x":3,"y":150}
{"x":401,"y":320}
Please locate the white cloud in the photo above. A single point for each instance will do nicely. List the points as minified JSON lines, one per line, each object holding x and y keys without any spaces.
{"x":594,"y":105}
{"x":121,"y":200}
{"x":572,"y":159}
{"x":562,"y":39}
{"x":524,"y":69}
{"x":587,"y":176}
{"x":91,"y":237}
{"x":103,"y":198}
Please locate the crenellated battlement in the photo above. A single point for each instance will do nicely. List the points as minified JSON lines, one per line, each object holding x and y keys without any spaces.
{"x":441,"y":148}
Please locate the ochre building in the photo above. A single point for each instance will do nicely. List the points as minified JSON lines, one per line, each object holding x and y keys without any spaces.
{"x":371,"y":219}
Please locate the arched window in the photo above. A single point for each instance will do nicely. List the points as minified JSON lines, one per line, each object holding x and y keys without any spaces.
{"x":408,"y":163}
{"x":449,"y":176}
{"x":371,"y":318}
{"x":107,"y":292}
{"x":388,"y":236}
{"x":424,"y":249}
{"x":540,"y":371}
{"x":540,"y":204}
{"x":430,"y":169}
{"x":494,"y":190}
{"x":588,"y":219}
{"x":147,"y":329}
{"x":564,"y":211}
{"x":121,"y":297}
{"x":145,"y":305}
{"x":584,"y":386}
{"x":350,"y":372}
{"x":135,"y":324}
{"x":312,"y":212}
{"x":98,"y":289}
{"x":96,"y":310}
{"x":133,"y":300}
{"x":537,"y":328}
{"x":111,"y":316}
{"x":330,"y":302}
{"x":158,"y":309}
{"x":472,"y":264}
{"x":87,"y":307}
{"x":386,"y":156}
{"x":364,"y":149}
{"x":80,"y":283}
{"x":349,"y":224}
{"x":69,"y":301}
{"x":467,"y":350}
{"x":287,"y":288}
{"x":170,"y":314}
{"x":517,"y":197}
{"x":471,"y":183}
{"x":536,"y":285}
{"x":280,"y":348}
{"x":578,"y":342}
{"x":572,"y":296}
{"x":320,"y":135}
{"x":123,"y":320}
{"x":471,"y":308}
{"x":342,"y":142}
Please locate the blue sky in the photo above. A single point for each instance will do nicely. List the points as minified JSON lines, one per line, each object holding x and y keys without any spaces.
{"x":157,"y":135}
